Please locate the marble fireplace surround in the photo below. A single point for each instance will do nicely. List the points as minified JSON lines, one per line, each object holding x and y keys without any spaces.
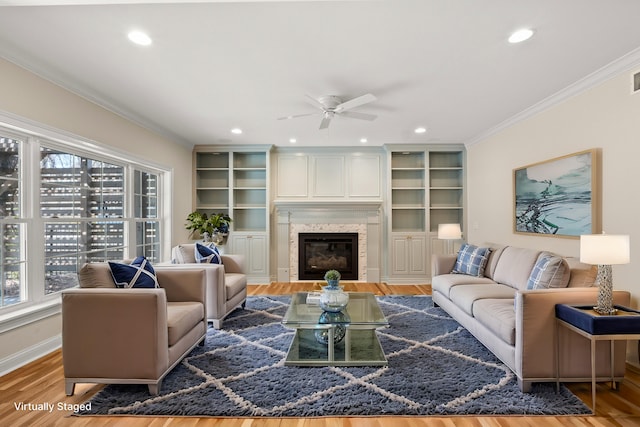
{"x":341,"y":216}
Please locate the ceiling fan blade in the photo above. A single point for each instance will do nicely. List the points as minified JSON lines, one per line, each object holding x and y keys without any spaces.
{"x":356,"y":102}
{"x":311,"y":100}
{"x":326,"y":120}
{"x":359,"y":116}
{"x":295,"y":116}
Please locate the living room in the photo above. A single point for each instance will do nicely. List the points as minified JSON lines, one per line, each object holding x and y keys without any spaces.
{"x":598,"y":109}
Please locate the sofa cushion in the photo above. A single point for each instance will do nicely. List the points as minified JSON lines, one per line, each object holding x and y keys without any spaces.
{"x":550,"y":271}
{"x":492,"y":261}
{"x":464,"y":296}
{"x":444,"y":282}
{"x":181,"y":318}
{"x":514,"y":266}
{"x":499,"y":316}
{"x":207,"y":254}
{"x":582,"y":275}
{"x":138,"y":274}
{"x":95,"y":275}
{"x":471,"y":260}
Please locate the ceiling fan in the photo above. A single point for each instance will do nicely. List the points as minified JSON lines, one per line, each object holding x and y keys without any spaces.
{"x":331,"y":105}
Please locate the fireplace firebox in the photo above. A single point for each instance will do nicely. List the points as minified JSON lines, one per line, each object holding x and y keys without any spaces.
{"x":319,"y":252}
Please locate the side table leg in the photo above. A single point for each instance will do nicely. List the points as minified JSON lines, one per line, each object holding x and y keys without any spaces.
{"x":593,"y":374}
{"x":557,"y":346}
{"x":612,"y":347}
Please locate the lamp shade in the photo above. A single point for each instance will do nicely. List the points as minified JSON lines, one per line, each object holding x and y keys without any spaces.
{"x":604,"y":249}
{"x":449,"y":231}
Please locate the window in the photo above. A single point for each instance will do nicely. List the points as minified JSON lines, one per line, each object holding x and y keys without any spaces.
{"x":63,"y":204}
{"x":146,"y":215}
{"x":12,"y":261}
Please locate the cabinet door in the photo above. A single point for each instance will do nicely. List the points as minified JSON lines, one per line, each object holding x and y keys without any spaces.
{"x":254,"y":248}
{"x":408,"y":255}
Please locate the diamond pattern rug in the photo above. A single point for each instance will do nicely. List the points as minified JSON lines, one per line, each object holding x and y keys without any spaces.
{"x":435,"y":368}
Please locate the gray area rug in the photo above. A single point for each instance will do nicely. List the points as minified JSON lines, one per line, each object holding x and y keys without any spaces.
{"x":435,"y":368}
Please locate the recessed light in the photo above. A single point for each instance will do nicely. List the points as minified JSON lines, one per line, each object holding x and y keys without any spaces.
{"x":236,"y":131}
{"x":420,"y":129}
{"x":293,"y":140}
{"x":363,"y":140}
{"x":521,"y":35}
{"x":140,"y":38}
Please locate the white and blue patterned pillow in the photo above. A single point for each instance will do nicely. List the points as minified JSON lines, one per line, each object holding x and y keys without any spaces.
{"x":207,"y":254}
{"x":471,"y":260}
{"x":550,"y":271}
{"x":138,"y":274}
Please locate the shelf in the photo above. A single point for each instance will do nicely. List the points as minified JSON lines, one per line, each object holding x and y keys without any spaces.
{"x":256,"y":178}
{"x":445,"y":159}
{"x":212,"y":160}
{"x":249,"y":160}
{"x":407,"y":160}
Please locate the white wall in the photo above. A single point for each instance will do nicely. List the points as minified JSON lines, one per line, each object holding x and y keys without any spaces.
{"x":31,"y":97}
{"x":606,"y":117}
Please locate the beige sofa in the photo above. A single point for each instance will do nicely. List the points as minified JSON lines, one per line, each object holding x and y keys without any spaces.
{"x":518,"y":325}
{"x":131,"y":336}
{"x":228,"y":288}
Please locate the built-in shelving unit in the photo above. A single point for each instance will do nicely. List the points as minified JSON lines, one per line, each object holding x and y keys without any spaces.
{"x":446,"y":188}
{"x":426,"y":188}
{"x":235,"y":181}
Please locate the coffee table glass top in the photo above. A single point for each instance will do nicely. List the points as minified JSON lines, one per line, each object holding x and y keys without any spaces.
{"x":363,"y":309}
{"x":349,"y":337}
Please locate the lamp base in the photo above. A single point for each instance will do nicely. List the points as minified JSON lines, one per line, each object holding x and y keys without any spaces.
{"x":605,"y":310}
{"x":605,"y":291}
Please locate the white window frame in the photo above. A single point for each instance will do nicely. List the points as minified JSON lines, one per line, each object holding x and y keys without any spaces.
{"x":38,"y":305}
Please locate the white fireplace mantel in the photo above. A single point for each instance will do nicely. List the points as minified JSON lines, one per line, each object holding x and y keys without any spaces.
{"x":335,"y":215}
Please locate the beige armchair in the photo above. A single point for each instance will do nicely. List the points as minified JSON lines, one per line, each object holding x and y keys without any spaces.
{"x":131,"y":336}
{"x":227,"y":290}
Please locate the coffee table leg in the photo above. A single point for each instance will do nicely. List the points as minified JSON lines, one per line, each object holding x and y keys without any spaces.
{"x":347,"y":345}
{"x":332,"y":334}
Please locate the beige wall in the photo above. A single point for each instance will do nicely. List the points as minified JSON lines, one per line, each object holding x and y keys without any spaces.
{"x":605,"y":117}
{"x":26,"y":95}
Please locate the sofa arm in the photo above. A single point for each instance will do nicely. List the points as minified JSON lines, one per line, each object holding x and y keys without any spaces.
{"x":234,"y":263}
{"x":114,"y":333}
{"x":186,"y":282}
{"x":442,"y":264}
{"x":536,"y":332}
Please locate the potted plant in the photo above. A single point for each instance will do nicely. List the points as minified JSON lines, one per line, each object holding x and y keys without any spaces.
{"x":332,"y":277}
{"x":216,"y":225}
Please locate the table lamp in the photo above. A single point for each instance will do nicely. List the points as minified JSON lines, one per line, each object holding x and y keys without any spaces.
{"x":604,"y":250}
{"x":449,"y":232}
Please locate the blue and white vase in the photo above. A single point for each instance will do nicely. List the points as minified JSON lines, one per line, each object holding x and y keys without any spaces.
{"x":333,"y":298}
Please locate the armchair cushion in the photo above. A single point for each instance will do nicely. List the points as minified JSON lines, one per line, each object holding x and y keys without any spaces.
{"x":181,"y":318}
{"x":207,"y":254}
{"x":138,"y":274}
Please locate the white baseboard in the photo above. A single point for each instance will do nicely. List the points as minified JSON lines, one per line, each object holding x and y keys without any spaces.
{"x":30,"y":354}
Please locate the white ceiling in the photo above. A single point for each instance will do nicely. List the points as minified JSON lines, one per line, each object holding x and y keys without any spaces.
{"x":215,"y":65}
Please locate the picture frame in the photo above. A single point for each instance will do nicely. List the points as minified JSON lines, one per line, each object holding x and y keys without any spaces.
{"x":559,"y":197}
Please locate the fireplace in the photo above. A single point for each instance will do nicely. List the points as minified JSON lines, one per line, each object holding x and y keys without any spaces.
{"x":319,"y":252}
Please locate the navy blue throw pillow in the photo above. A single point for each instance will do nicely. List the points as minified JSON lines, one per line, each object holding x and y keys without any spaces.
{"x":138,"y":274}
{"x":207,"y":254}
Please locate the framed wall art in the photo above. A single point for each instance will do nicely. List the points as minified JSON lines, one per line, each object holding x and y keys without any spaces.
{"x":558,"y":197}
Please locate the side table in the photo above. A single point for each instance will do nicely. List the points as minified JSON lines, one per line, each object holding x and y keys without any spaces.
{"x":583,"y":320}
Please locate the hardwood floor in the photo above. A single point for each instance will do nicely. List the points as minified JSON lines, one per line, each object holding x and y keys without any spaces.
{"x":42,"y":381}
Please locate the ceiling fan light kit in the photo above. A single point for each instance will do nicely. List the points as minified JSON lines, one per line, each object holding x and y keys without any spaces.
{"x":332,"y":105}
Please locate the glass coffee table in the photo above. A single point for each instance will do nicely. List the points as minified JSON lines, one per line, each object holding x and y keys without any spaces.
{"x":347,"y":338}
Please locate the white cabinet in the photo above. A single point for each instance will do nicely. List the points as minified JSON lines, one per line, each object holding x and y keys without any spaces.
{"x":254,"y":247}
{"x":336,"y":175}
{"x":408,"y":255}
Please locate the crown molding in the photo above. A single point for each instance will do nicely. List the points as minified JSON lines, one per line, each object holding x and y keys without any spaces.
{"x":623,"y":64}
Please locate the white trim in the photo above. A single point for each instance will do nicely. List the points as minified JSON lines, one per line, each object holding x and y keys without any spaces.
{"x":14,"y":319}
{"x":624,"y":64}
{"x":29,"y":354}
{"x":48,"y":134}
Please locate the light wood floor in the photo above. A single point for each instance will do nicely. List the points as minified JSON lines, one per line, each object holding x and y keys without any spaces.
{"x":42,"y":381}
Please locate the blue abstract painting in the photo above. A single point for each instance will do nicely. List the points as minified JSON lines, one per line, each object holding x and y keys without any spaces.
{"x":556,"y":197}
